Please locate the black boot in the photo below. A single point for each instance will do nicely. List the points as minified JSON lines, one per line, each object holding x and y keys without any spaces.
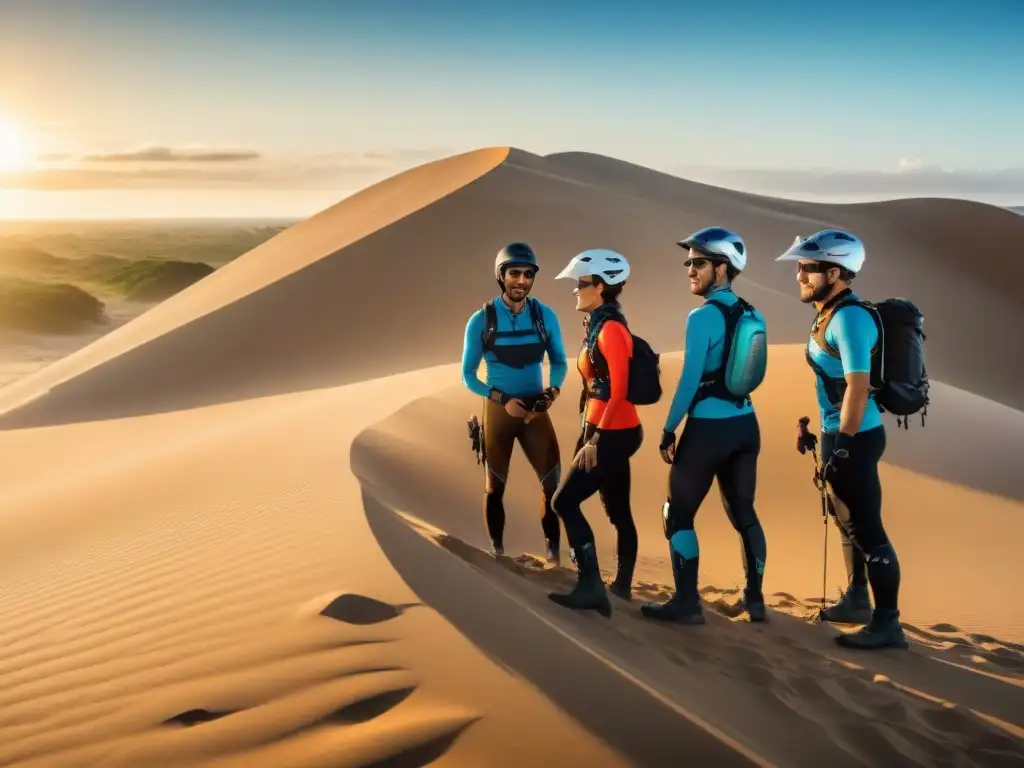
{"x":753,"y":602}
{"x":549,"y":523}
{"x":853,"y":607}
{"x":882,"y":631}
{"x":684,"y":606}
{"x":554,"y":555}
{"x":623,"y":584}
{"x":755,"y":552}
{"x":589,"y":592}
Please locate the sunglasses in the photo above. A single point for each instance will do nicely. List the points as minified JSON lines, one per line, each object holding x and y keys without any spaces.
{"x":814,"y":268}
{"x":581,"y":284}
{"x":697,"y":263}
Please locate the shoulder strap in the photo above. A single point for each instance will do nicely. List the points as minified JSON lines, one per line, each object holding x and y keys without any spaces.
{"x":538,"y":319}
{"x":731,"y":313}
{"x":490,"y":324}
{"x":824,"y":318}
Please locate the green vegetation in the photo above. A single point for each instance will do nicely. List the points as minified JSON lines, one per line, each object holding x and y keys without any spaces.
{"x":56,"y":277}
{"x":26,"y":305}
{"x":154,"y":280}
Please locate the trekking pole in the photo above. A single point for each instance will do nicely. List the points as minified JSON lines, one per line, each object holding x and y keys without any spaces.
{"x":807,"y":440}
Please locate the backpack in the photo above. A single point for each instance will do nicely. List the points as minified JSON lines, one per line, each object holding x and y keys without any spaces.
{"x":744,"y":358}
{"x":899,"y":378}
{"x":491,"y":324}
{"x":644,"y":366}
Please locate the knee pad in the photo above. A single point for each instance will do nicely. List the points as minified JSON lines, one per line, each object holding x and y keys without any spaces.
{"x":673,"y":520}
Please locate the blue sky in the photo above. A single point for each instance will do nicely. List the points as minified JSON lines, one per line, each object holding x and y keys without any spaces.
{"x":904,"y":98}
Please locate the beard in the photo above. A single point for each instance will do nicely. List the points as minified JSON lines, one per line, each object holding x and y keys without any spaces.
{"x":817,"y":295}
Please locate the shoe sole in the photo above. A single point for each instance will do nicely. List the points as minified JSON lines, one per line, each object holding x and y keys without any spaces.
{"x":605,"y":608}
{"x":687,"y":620}
{"x":901,"y":645}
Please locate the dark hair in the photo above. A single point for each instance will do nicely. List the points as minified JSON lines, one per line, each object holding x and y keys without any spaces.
{"x":611,"y":292}
{"x":731,"y":272}
{"x":844,"y":274}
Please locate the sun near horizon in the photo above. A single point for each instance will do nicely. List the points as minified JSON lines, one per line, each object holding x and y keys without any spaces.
{"x":14,"y":146}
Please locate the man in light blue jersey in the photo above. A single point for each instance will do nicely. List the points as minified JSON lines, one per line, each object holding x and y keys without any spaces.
{"x":724,"y":362}
{"x":842,"y":348}
{"x":512,"y":333}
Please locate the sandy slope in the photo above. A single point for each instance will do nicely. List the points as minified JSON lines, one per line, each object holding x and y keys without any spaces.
{"x":767,"y":687}
{"x":183,"y":566}
{"x":193,"y":575}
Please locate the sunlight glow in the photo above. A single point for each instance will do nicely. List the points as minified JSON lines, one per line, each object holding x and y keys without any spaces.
{"x":14,"y":149}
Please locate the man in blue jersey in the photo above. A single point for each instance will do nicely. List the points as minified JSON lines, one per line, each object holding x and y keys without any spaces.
{"x":840,"y":351}
{"x":721,"y":439}
{"x":512,"y":333}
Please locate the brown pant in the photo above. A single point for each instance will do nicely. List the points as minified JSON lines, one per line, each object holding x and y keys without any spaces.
{"x":536,"y":436}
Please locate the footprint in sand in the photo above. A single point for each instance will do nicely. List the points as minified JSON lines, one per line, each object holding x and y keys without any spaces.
{"x":195,"y":717}
{"x":365,"y":690}
{"x":358,"y":609}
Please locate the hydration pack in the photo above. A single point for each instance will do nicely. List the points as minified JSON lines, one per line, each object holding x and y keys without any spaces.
{"x":515,"y":355}
{"x":744,"y":358}
{"x":899,"y":378}
{"x":644,"y":366}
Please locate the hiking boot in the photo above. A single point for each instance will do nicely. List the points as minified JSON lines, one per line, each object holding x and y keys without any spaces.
{"x":753,"y":602}
{"x":684,"y":607}
{"x":497,"y":549}
{"x":883,"y":630}
{"x":622,"y":586}
{"x":554,"y":554}
{"x":589,"y":592}
{"x":853,"y":607}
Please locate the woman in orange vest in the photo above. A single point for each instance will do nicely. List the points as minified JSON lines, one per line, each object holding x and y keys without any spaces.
{"x":611,"y":431}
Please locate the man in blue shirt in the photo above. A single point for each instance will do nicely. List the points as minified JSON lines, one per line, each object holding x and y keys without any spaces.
{"x":512,"y":333}
{"x":840,"y":351}
{"x":721,"y":439}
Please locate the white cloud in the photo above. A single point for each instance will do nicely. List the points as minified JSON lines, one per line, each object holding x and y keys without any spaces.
{"x":158,"y":166}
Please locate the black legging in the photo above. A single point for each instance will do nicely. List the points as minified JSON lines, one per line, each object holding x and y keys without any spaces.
{"x":857,"y":503}
{"x":727,"y":449}
{"x":611,"y":478}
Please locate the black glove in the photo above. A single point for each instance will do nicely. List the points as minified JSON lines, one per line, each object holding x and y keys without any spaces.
{"x":546,"y":398}
{"x":805,"y":440}
{"x":840,"y":455}
{"x":668,"y":439}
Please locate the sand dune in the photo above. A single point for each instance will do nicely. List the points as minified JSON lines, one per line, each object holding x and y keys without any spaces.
{"x":218,"y":529}
{"x":395,"y":240}
{"x":170,"y":611}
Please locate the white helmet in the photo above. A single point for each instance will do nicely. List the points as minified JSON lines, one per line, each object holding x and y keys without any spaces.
{"x":832,"y":245}
{"x":719,"y":244}
{"x":611,"y":266}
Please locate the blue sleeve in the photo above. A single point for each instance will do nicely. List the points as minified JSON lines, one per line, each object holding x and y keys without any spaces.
{"x":853,"y":333}
{"x":699,"y":329}
{"x":473,"y":353}
{"x":559,"y":366}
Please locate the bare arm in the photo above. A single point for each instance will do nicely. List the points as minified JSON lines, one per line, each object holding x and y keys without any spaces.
{"x":854,"y":402}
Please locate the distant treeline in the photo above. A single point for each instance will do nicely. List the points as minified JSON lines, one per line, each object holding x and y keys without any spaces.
{"x":56,"y":304}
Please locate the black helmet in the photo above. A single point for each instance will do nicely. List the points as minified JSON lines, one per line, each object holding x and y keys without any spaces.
{"x":514,"y":253}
